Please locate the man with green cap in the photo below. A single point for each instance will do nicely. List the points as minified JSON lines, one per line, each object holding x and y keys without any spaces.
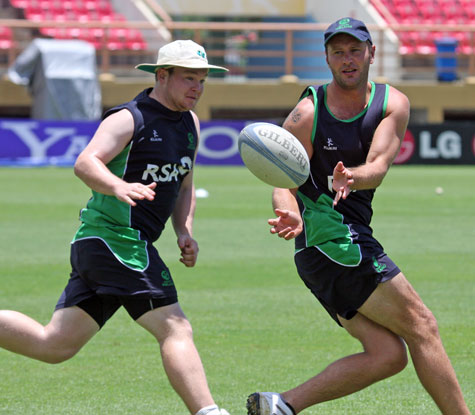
{"x":352,"y":129}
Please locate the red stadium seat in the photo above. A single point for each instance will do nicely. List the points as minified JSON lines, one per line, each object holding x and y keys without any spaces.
{"x":407,"y":44}
{"x":115,"y":45}
{"x":82,"y":11}
{"x":425,"y":44}
{"x":48,"y":31}
{"x":6,"y":44}
{"x":6,"y":38}
{"x":407,"y":12}
{"x":469,"y":10}
{"x":464,"y":44}
{"x":430,"y":11}
{"x":46,"y":4}
{"x":134,"y":40}
{"x":451,"y":12}
{"x":97,"y":32}
{"x":34,"y":14}
{"x":104,"y":7}
{"x":6,"y":32}
{"x":21,"y":4}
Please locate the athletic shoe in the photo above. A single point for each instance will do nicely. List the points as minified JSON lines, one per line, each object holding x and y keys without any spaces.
{"x":267,"y":403}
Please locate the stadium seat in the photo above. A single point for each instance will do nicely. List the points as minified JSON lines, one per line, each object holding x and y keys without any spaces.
{"x":35,"y":14}
{"x":407,"y":44}
{"x":48,"y":31}
{"x":20,"y":4}
{"x":134,"y":40}
{"x":469,"y":10}
{"x":115,"y":45}
{"x":104,"y":7}
{"x":82,"y":11}
{"x":407,"y":12}
{"x":6,"y":38}
{"x":46,"y":4}
{"x":425,"y":44}
{"x":6,"y":44}
{"x":451,"y":12}
{"x":5,"y":32}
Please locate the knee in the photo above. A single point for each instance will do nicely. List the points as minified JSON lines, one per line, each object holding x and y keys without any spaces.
{"x":393,"y":359}
{"x":176,"y":330}
{"x":397,"y":359}
{"x":387,"y":357}
{"x":422,"y":326}
{"x":57,"y":355}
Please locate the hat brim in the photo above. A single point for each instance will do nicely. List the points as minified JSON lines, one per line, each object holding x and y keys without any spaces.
{"x":361,"y":38}
{"x":153,"y":67}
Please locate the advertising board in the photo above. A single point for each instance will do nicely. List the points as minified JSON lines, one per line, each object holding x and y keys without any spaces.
{"x":25,"y":142}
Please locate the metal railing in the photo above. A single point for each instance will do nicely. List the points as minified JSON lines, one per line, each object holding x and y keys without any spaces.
{"x":285,"y":50}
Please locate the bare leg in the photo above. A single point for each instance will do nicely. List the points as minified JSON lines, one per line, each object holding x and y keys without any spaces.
{"x":384,"y":355}
{"x":69,"y":330}
{"x":180,"y":358}
{"x":397,"y":306}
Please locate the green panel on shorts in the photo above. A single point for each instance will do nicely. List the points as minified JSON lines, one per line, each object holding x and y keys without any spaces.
{"x":324,"y":228}
{"x":124,"y":243}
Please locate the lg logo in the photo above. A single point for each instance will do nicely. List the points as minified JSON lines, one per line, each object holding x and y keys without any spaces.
{"x":448,"y":145}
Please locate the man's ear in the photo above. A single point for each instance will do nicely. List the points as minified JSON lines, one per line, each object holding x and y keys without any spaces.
{"x":161,"y":74}
{"x":372,"y":50}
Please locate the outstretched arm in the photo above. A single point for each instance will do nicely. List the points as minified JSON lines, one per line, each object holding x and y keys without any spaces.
{"x":288,"y":223}
{"x":386,"y":142}
{"x":111,"y":137}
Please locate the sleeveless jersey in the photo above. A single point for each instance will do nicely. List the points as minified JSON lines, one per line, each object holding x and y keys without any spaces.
{"x":161,"y":150}
{"x":338,"y":231}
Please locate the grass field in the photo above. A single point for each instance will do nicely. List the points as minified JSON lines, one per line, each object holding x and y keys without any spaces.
{"x":256,"y":326}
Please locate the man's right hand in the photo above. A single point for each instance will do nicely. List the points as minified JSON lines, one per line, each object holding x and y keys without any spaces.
{"x":129,"y":192}
{"x":287,"y":225}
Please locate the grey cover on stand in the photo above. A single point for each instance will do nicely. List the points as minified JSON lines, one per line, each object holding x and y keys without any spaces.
{"x":61,"y":76}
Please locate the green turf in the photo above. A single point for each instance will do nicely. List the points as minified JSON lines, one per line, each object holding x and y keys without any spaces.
{"x":256,"y":326}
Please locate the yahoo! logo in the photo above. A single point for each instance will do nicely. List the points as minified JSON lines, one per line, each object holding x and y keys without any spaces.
{"x":60,"y":142}
{"x":44,"y":141}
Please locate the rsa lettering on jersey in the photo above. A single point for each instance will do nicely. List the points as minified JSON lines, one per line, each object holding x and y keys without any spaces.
{"x":167,"y":172}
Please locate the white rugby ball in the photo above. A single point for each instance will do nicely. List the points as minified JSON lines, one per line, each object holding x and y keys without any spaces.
{"x":274,"y":155}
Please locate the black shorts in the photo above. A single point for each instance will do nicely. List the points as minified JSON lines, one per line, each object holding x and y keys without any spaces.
{"x":100,"y":284}
{"x":343,"y":289}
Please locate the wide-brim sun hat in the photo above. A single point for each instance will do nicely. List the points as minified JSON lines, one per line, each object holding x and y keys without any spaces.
{"x":183,"y":53}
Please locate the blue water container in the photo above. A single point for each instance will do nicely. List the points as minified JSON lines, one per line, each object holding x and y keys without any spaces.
{"x":446,"y":59}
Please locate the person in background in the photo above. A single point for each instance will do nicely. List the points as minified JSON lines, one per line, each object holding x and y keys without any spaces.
{"x":352,"y":130}
{"x":139,"y":165}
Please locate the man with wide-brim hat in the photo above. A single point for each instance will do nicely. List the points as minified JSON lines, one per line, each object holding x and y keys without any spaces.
{"x":159,"y":132}
{"x":139,"y":166}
